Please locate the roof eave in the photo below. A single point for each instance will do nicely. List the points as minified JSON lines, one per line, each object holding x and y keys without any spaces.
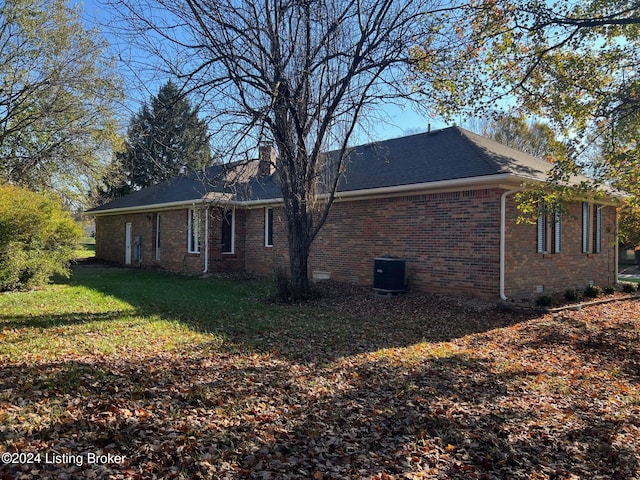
{"x":485,"y":180}
{"x":144,"y":208}
{"x":500,"y":180}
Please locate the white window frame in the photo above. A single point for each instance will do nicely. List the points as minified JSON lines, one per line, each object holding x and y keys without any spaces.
{"x":586,"y":227}
{"x":549,"y":232}
{"x":268,"y":227}
{"x":598,"y":227}
{"x":591,"y":228}
{"x":193,"y":231}
{"x":233,"y":231}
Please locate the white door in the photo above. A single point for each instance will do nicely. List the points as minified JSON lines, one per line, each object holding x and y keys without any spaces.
{"x":127,"y":244}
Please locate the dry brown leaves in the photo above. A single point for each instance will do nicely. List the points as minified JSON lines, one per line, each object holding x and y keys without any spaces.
{"x":419,"y":387}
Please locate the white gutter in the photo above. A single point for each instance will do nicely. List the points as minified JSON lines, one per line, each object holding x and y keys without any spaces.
{"x":503,"y":231}
{"x":144,"y":208}
{"x":224,"y":198}
{"x":400,"y":189}
{"x":255,"y":203}
{"x":458,"y":182}
{"x":213,"y":197}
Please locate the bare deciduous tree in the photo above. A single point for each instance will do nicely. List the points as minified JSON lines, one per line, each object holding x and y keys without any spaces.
{"x":302,"y":74}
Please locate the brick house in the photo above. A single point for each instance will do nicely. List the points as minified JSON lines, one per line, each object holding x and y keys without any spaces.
{"x":443,"y":201}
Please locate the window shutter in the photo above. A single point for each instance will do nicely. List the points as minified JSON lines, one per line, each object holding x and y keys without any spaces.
{"x":557,"y":230}
{"x":585,"y":227}
{"x":598,"y":230}
{"x":542,"y":223}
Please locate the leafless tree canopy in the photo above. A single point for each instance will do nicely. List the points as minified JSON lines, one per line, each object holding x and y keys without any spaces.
{"x":303,"y":74}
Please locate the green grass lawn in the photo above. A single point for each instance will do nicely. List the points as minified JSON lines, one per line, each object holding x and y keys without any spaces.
{"x":86,"y":249}
{"x":202,"y":378}
{"x":108,"y":310}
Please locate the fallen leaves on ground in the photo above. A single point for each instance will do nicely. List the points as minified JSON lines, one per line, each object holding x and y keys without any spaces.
{"x":411,"y":387}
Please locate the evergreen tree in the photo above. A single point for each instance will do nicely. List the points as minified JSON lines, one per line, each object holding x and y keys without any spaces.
{"x":164,"y":139}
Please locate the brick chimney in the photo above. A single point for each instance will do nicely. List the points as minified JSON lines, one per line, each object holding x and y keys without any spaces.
{"x":266,"y":158}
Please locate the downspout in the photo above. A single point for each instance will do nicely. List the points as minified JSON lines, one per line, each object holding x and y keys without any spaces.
{"x":503,"y":233}
{"x":206,"y":240}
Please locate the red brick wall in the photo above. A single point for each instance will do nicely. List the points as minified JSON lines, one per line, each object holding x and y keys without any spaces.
{"x":220,"y":262}
{"x":173,"y":244}
{"x":174,"y":255}
{"x":260,"y":259}
{"x":557,"y":272}
{"x":451,"y":242}
{"x":432,"y":232}
{"x":110,"y":235}
{"x":110,"y":240}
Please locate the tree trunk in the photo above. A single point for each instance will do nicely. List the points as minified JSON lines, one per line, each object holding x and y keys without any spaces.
{"x":298,"y":259}
{"x":299,"y":273}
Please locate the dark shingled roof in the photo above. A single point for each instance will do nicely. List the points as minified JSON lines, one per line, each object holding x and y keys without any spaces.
{"x":187,"y":188}
{"x":448,"y":154}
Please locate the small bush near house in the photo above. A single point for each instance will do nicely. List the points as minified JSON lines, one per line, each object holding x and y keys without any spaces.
{"x":571,"y":295}
{"x":609,"y":290}
{"x":544,"y":301}
{"x":628,"y":288}
{"x":37,"y":238}
{"x":592,"y":291}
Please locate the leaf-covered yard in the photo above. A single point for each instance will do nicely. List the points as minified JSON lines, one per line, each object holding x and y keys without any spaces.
{"x":167,"y":377}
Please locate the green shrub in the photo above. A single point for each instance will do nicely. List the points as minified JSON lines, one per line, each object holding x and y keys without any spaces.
{"x":37,"y":238}
{"x":592,"y":291}
{"x":544,"y":301}
{"x":628,"y":287}
{"x":609,"y":290}
{"x":571,"y":295}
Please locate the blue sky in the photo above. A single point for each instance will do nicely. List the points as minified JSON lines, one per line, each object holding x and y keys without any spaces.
{"x":141,"y":83}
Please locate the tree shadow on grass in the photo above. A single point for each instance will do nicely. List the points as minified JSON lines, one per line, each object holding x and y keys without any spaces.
{"x":230,"y":412}
{"x":345,"y":321}
{"x":304,"y":391}
{"x":45,"y":321}
{"x":447,"y":417}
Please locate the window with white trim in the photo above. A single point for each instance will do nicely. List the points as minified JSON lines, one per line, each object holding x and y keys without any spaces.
{"x":228,"y":231}
{"x":549,"y":232}
{"x":591,"y":228}
{"x":268,"y":227}
{"x":193,"y":231}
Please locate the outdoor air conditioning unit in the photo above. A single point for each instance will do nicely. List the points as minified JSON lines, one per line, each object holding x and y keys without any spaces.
{"x":389,"y":275}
